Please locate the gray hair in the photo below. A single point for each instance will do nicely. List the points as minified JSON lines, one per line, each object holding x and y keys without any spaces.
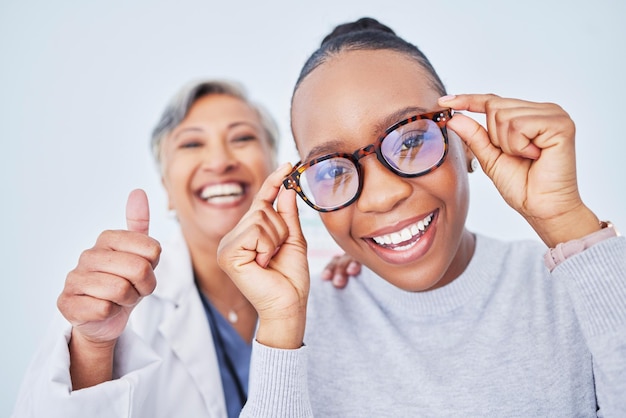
{"x":179,"y":106}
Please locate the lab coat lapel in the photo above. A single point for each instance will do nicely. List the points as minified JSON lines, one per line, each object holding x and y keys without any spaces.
{"x":186,"y":328}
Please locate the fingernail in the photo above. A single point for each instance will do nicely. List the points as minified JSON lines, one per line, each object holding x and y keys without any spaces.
{"x":447,"y":98}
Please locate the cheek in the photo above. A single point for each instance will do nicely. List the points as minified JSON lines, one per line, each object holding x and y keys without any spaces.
{"x":338,"y":224}
{"x":175,"y":175}
{"x":456,"y":181}
{"x":260,"y":170}
{"x":260,"y":162}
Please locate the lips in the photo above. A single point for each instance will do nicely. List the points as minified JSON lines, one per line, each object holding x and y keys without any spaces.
{"x":222,"y":192}
{"x":405,"y":237}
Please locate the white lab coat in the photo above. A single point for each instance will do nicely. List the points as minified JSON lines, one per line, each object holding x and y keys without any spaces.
{"x":165,"y":361}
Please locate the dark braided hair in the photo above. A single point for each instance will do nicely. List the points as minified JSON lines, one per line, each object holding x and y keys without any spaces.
{"x":366,"y":34}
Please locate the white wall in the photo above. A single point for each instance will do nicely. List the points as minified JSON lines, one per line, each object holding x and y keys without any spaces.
{"x":82,"y":84}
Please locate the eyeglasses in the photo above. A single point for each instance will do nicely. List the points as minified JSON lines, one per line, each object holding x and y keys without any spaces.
{"x":410,"y":148}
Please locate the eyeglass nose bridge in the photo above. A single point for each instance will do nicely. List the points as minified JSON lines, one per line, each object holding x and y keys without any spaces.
{"x":370,"y":149}
{"x":365,"y":151}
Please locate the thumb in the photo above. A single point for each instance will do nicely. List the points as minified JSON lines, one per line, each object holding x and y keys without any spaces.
{"x":287,"y":207}
{"x":138,"y":212}
{"x":476,"y":138}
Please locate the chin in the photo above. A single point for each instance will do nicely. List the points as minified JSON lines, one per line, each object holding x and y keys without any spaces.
{"x":410,"y":279}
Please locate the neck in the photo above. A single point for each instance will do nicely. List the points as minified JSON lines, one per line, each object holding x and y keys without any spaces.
{"x":221,"y":291}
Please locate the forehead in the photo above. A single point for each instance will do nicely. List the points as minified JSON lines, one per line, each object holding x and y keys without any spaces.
{"x":220,"y":107}
{"x":345,"y":99}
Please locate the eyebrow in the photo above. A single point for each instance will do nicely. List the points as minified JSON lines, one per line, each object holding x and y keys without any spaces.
{"x":382,"y":125}
{"x":397,"y":116}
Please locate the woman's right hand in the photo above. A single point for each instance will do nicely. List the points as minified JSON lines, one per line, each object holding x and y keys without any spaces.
{"x":109,"y":281}
{"x":265,"y":256}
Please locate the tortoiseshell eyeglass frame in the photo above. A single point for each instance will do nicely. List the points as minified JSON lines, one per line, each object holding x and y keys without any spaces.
{"x":440,"y":117}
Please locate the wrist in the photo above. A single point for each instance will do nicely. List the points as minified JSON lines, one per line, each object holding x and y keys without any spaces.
{"x":286,"y":332}
{"x":569,"y":226}
{"x":91,"y":362}
{"x":562,"y":251}
{"x":87,"y":347}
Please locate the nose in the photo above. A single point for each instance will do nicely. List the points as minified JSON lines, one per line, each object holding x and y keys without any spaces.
{"x":382,"y":189}
{"x":219,"y":158}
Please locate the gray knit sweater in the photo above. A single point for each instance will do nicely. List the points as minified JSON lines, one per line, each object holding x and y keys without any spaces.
{"x":506,"y":339}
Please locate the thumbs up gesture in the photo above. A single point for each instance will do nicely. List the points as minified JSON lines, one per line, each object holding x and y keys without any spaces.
{"x":110,"y":279}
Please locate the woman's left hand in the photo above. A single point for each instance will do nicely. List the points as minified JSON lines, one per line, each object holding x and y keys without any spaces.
{"x":528,"y":152}
{"x":339,"y":270}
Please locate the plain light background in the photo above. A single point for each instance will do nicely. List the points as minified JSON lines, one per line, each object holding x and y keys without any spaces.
{"x":83,"y":83}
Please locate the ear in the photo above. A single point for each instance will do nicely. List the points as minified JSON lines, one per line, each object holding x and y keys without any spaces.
{"x":469,"y":157}
{"x":467,"y":152}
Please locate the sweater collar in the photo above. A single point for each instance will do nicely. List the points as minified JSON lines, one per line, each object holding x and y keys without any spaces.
{"x":471,"y":288}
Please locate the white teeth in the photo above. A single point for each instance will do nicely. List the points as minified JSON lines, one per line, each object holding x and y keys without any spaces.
{"x":396,"y":238}
{"x":221,"y":190}
{"x":406,"y":234}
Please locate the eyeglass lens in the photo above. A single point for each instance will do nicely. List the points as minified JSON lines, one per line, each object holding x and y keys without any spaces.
{"x":411,"y":149}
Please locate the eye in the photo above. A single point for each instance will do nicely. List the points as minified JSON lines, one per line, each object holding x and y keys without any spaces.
{"x":192,"y":143}
{"x":333,"y":169}
{"x":411,"y":141}
{"x":242,"y":139}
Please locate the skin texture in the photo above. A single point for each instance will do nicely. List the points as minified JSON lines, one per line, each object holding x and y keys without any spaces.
{"x":526,"y":149}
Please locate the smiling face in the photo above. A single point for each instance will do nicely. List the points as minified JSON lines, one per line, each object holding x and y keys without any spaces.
{"x":410,"y":231}
{"x":214,"y":162}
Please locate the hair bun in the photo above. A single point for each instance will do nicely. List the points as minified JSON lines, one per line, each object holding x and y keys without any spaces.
{"x":364,"y":23}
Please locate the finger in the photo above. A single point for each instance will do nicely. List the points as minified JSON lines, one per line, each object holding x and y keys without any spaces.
{"x":130,"y":242}
{"x":272,"y":184}
{"x":265,"y":248}
{"x":103,"y":286}
{"x":274,"y":233}
{"x":542,"y":127}
{"x":477,"y":139}
{"x":345,"y":267}
{"x":287,"y":208}
{"x":508,"y":131}
{"x":136,"y":269}
{"x":340,"y":280}
{"x":503,"y":118}
{"x":354,"y":268}
{"x":479,"y":103}
{"x":329,"y":270}
{"x":82,"y":309}
{"x":138,"y":212}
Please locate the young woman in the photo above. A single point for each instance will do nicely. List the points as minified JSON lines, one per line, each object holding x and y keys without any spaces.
{"x":186,"y":349}
{"x":442,"y":321}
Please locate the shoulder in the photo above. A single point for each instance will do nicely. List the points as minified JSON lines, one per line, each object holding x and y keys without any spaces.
{"x":505,"y":258}
{"x":519,"y":275}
